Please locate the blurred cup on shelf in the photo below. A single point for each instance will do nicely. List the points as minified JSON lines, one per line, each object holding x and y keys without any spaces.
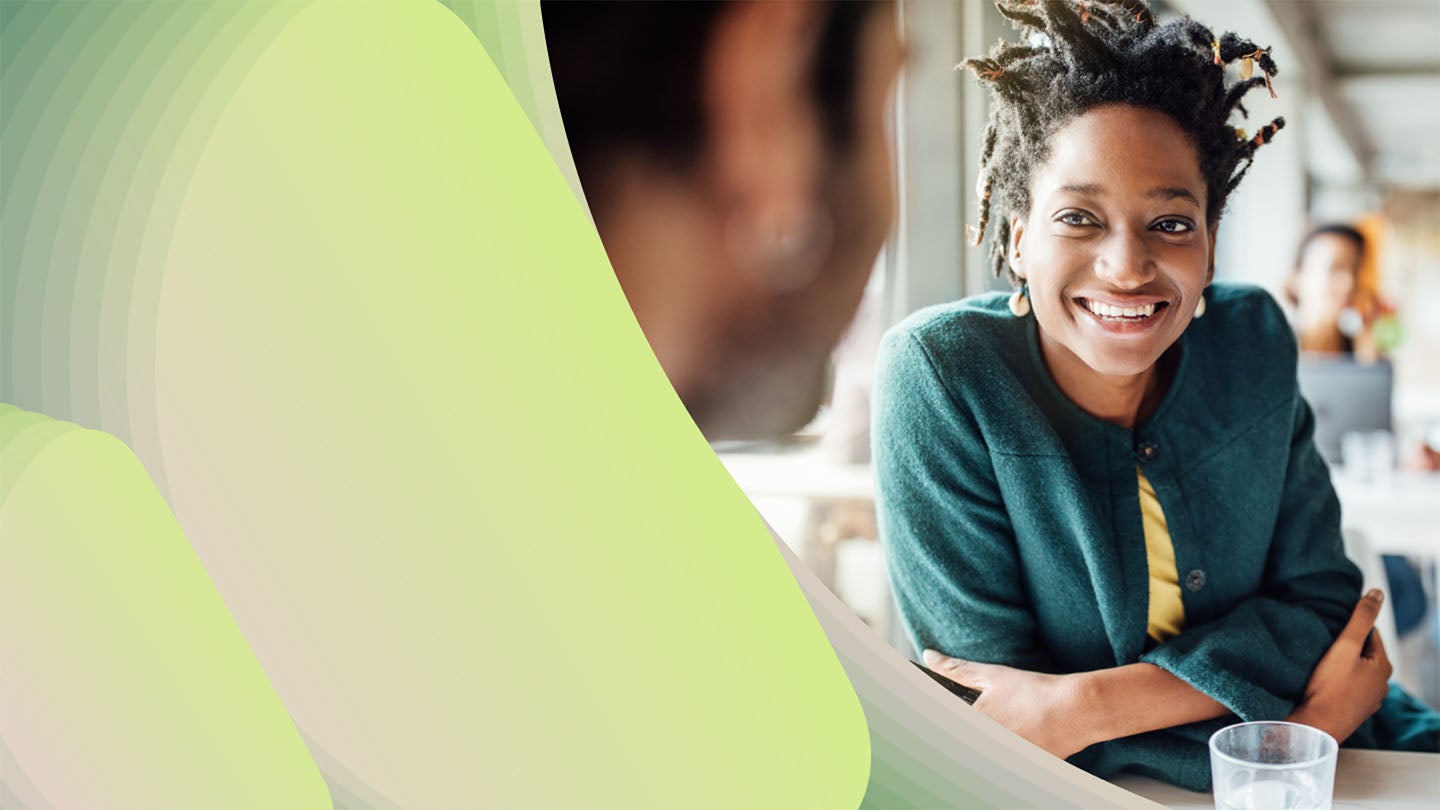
{"x":1272,"y":766}
{"x":1355,"y":455}
{"x":1382,"y":455}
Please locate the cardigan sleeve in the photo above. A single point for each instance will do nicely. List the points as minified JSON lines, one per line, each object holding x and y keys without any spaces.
{"x":1257,"y":658}
{"x":948,"y":540}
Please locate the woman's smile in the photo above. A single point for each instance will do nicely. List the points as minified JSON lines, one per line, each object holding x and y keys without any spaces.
{"x":1119,"y":316}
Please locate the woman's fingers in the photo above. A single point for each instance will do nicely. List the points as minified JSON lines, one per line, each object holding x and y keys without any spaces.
{"x":1362,"y":620}
{"x":1375,"y":656}
{"x":1373,"y":645}
{"x":1375,"y":651}
{"x":957,"y":670}
{"x":1362,"y":624}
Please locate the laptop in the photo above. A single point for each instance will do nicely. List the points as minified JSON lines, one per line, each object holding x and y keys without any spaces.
{"x":1347,"y":397}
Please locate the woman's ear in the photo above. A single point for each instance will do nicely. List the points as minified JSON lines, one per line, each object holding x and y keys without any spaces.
{"x":763,"y":139}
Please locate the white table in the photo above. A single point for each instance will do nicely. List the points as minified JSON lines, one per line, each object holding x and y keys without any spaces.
{"x":1398,"y":515}
{"x":1364,"y":780}
{"x":804,"y":474}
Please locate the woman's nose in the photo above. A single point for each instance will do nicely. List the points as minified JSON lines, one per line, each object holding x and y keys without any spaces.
{"x":1124,"y":260}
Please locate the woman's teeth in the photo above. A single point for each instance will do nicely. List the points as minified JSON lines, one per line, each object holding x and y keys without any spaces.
{"x":1118,"y":313}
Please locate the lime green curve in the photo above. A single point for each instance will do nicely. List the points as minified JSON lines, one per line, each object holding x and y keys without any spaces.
{"x":513,"y":35}
{"x":125,"y":682}
{"x":451,"y":430}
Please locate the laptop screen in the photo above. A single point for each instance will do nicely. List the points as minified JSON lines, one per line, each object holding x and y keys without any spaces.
{"x":1346,"y":397}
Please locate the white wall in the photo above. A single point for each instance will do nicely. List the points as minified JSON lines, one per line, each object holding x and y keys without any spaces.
{"x":1266,"y":216}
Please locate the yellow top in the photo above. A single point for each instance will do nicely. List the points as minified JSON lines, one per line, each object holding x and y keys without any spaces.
{"x":1167,"y":612}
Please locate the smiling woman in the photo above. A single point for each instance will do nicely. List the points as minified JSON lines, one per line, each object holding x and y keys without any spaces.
{"x":1100,"y":498}
{"x":1115,"y":253}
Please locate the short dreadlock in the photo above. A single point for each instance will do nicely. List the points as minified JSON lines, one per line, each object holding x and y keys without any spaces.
{"x":1077,"y":55}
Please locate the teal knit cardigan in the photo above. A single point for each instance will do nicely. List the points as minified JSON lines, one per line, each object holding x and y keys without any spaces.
{"x":1012,"y":528}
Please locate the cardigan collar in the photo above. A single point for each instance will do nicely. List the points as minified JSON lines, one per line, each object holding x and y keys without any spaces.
{"x":1077,"y":417}
{"x":1116,"y":452}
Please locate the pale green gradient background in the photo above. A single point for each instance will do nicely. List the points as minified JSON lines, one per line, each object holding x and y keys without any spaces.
{"x":125,"y":681}
{"x":314,"y":266}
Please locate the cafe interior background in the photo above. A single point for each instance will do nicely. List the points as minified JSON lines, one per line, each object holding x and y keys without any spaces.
{"x":1359,"y":86}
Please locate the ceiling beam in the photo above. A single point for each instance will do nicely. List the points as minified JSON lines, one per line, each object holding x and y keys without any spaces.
{"x":1423,"y":70}
{"x":1300,"y":30}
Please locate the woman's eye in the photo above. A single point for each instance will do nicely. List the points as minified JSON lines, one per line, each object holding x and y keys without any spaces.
{"x":1174,"y":226}
{"x":1073,"y":218}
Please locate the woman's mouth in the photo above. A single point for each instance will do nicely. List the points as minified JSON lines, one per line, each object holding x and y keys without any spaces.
{"x":1123,"y":319}
{"x":1111,"y":312}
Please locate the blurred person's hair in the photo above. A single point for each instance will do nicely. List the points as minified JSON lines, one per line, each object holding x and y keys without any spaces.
{"x":1076,"y":56}
{"x":627,"y":75}
{"x":1341,"y":230}
{"x":735,"y":160}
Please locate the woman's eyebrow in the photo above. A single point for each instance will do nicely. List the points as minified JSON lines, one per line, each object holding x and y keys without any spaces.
{"x":1157,"y":193}
{"x":1172,"y":193}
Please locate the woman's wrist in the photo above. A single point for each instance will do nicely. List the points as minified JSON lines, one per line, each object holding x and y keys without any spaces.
{"x":1309,"y":714}
{"x":1338,"y":721}
{"x":1094,"y":717}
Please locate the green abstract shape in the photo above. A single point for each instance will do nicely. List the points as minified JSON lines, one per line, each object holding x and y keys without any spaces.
{"x":513,"y":34}
{"x":103,"y":109}
{"x":124,"y":683}
{"x":313,"y":263}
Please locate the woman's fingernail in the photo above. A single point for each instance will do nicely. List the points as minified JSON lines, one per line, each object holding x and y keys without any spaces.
{"x":931,"y":657}
{"x":1376,"y":594}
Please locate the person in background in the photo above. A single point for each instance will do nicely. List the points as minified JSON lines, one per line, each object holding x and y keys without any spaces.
{"x":1335,"y":313}
{"x":734,"y":157}
{"x":1100,"y":496}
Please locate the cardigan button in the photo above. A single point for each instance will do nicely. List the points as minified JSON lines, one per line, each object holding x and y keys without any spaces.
{"x":1147,"y":451}
{"x":1195,"y":580}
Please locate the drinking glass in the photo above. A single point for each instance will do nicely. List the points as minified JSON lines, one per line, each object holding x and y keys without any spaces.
{"x":1272,"y":766}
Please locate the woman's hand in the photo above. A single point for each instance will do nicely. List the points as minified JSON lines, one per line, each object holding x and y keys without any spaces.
{"x":1043,"y":709}
{"x":1351,"y":680}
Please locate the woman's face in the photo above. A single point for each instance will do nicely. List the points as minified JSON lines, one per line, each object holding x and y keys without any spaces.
{"x":1326,"y":277}
{"x":1116,"y":249}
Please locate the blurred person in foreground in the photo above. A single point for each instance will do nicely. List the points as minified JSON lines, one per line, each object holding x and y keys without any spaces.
{"x":736,"y":162}
{"x":1100,"y":496}
{"x":735,"y":159}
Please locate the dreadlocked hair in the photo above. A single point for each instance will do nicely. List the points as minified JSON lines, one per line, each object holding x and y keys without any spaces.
{"x":1076,"y":55}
